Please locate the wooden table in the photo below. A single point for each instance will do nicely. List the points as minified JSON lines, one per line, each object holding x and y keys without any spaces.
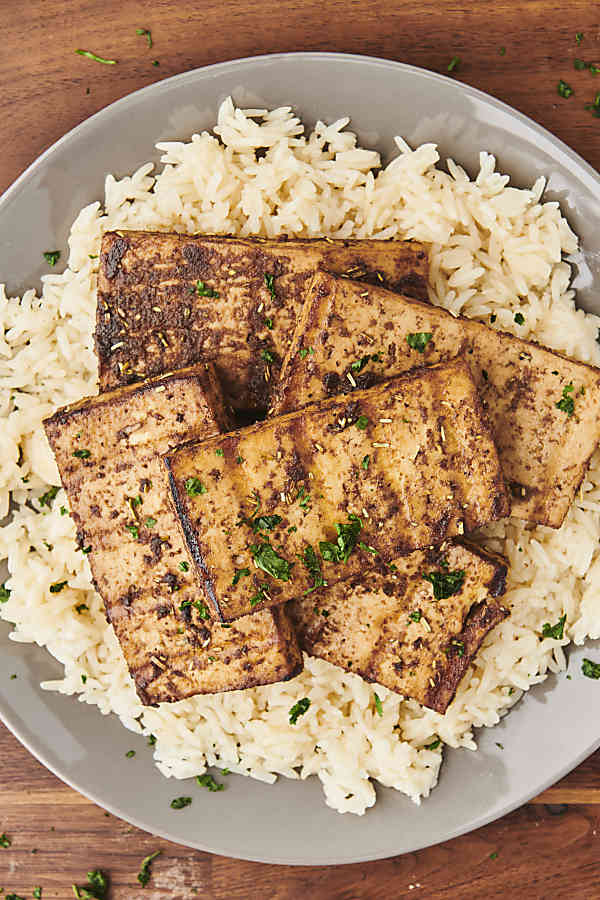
{"x":549,"y":848}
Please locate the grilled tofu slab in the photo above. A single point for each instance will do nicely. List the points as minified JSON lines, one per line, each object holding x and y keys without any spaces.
{"x":166,"y":301}
{"x":272,"y":510}
{"x":415,"y":630}
{"x":543,"y":407}
{"x":107,"y":449}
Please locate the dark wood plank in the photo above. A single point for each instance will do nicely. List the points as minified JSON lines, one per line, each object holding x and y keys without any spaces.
{"x":545,"y":849}
{"x":49,"y":94}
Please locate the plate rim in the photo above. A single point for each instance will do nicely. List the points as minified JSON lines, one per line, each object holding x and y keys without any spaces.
{"x":205,"y":72}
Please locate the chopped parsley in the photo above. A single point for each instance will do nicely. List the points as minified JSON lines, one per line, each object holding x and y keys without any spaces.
{"x":96,"y":58}
{"x":269,"y":279}
{"x":445,"y":584}
{"x":239,"y":573}
{"x":456,"y":647}
{"x":378,"y":705}
{"x":365,"y":462}
{"x":130,"y":754}
{"x":590,"y":669}
{"x":567,"y":403}
{"x":519,"y":318}
{"x":204,"y":291}
{"x":454,"y":64}
{"x":305,"y":351}
{"x":4,"y":593}
{"x":259,"y":596}
{"x":133,"y":530}
{"x":298,"y":709}
{"x":184,"y":605}
{"x":265,"y":523}
{"x":184,"y":566}
{"x":269,"y":323}
{"x":145,"y":32}
{"x":267,"y":356}
{"x":578,"y":37}
{"x":564,"y":90}
{"x":82,"y":454}
{"x":37,"y":893}
{"x":267,"y":559}
{"x":150,"y":522}
{"x":81,"y":607}
{"x":494,"y":855}
{"x":84,"y":679}
{"x":347,"y":536}
{"x":96,"y":888}
{"x":362,"y":422}
{"x":181,"y":802}
{"x":57,"y":587}
{"x":202,"y":610}
{"x":433,"y":745}
{"x":418,"y":340}
{"x":5,"y":841}
{"x":367,"y":548}
{"x":52,"y":257}
{"x":219,"y":451}
{"x":194,"y":487}
{"x":579,"y":64}
{"x":64,"y":511}
{"x":144,"y":874}
{"x":555,"y":631}
{"x":359,"y":364}
{"x":209,"y":782}
{"x":311,"y":561}
{"x":47,"y":498}
{"x":502,"y":51}
{"x":415,"y":616}
{"x":304,"y":498}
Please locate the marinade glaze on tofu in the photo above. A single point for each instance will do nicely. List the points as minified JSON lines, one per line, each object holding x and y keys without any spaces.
{"x":317,"y":495}
{"x":166,"y":301}
{"x":544,"y":408}
{"x":403,"y":631}
{"x":107,"y":449}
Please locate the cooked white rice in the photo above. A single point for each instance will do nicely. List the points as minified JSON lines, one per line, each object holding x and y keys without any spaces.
{"x":493,"y":249}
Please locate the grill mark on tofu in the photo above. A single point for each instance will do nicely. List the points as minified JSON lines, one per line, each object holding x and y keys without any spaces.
{"x":415,"y":491}
{"x":365,"y":625}
{"x":543,"y":451}
{"x":150,"y":318}
{"x":120,"y":501}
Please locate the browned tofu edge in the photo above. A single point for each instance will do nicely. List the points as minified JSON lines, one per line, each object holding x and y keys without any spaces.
{"x":202,"y":372}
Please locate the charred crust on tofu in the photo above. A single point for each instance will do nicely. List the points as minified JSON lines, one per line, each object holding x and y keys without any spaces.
{"x":481,"y":619}
{"x":189,"y":535}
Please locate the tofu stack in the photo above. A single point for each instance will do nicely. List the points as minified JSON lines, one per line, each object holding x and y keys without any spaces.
{"x":337,"y":525}
{"x":405,"y":465}
{"x":108,"y":452}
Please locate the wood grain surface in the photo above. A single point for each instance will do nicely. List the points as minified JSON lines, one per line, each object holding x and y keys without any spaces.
{"x":549,"y":848}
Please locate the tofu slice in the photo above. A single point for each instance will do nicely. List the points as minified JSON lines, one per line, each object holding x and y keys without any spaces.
{"x":544,"y":451}
{"x":390,"y":628}
{"x":166,"y":301}
{"x":107,"y":449}
{"x":395,"y":468}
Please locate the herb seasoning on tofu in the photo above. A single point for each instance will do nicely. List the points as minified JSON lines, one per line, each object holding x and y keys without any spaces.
{"x":567,"y":402}
{"x":418,"y":340}
{"x":445,"y":584}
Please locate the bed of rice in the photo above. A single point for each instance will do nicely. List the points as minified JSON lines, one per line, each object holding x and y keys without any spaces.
{"x":493,"y":249}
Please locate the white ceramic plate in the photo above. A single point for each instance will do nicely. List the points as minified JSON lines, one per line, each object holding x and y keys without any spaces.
{"x":552,"y":729}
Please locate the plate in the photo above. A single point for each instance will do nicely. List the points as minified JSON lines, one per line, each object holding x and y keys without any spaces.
{"x":551,"y":730}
